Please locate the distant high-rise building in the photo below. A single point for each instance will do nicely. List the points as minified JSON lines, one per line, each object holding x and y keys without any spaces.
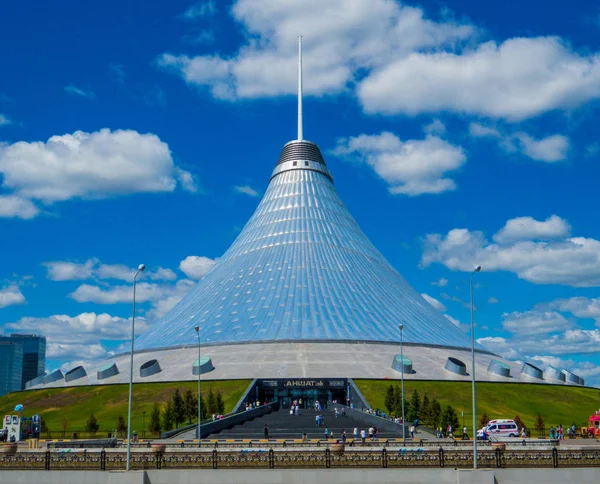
{"x":34,"y":355}
{"x":11,"y":365}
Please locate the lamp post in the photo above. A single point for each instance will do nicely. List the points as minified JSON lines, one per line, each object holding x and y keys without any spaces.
{"x":141,"y":268}
{"x":197,"y":328}
{"x":401,"y":327}
{"x":477,"y":269}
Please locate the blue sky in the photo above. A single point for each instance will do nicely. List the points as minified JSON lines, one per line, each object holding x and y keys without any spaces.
{"x":458,"y":133}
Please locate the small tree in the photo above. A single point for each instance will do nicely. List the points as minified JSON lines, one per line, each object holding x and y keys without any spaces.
{"x":220,"y":403}
{"x":484,"y":420}
{"x":519,"y":422}
{"x":435,"y":413}
{"x":155,"y":425}
{"x":178,"y":408}
{"x":168,"y":416}
{"x":91,"y":426}
{"x":425,"y":409}
{"x":121,"y":426}
{"x":190,"y":402}
{"x":397,"y":401}
{"x":211,"y":402}
{"x":390,"y":400}
{"x":415,"y":407}
{"x":449,"y":417}
{"x":540,"y":425}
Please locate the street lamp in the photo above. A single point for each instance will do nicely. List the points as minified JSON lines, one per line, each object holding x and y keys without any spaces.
{"x":141,"y":268}
{"x":197,"y":328}
{"x":401,"y":327}
{"x":477,"y":269}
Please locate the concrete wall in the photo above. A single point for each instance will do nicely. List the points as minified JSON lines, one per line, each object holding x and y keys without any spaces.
{"x":307,"y":476}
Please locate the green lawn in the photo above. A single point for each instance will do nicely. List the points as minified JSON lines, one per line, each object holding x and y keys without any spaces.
{"x":109,"y":401}
{"x":558,"y":404}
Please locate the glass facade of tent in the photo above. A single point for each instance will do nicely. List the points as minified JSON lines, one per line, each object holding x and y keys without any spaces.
{"x":11,"y":365}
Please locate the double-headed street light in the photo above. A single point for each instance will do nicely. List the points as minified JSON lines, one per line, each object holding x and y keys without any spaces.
{"x":477,"y":269}
{"x":197,"y":328}
{"x":141,"y":268}
{"x":401,"y":327}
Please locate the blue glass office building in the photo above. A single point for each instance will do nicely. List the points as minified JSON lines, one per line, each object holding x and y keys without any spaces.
{"x":302,"y":270}
{"x":34,"y":355}
{"x":11,"y":365}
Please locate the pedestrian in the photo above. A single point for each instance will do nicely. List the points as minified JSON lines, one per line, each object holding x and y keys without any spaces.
{"x":326,"y":433}
{"x":363,"y":435}
{"x":523,"y":432}
{"x":355,"y":433}
{"x":371,"y":432}
{"x":266,"y":430}
{"x":465,"y":434}
{"x":412,"y":431}
{"x":304,"y":437}
{"x":343,"y":436}
{"x":318,"y":419}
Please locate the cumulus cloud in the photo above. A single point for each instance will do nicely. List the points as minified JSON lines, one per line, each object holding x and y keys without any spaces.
{"x":550,"y":149}
{"x":412,"y":167}
{"x":573,"y":261}
{"x":83,"y":329}
{"x":196,"y":267}
{"x":580,"y":307}
{"x":493,"y":300}
{"x":532,"y":323}
{"x":394,"y":58}
{"x":94,"y":165}
{"x":434,"y":302}
{"x":516,"y":79}
{"x":246,"y":190}
{"x":436,"y":127}
{"x":16,"y":207}
{"x":76,"y":91}
{"x":527,"y":228}
{"x":442,"y":282}
{"x":94,"y":269}
{"x":145,"y":292}
{"x":368,"y":36}
{"x":11,"y":295}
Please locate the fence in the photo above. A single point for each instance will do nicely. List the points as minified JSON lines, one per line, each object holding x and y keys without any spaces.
{"x":270,"y":459}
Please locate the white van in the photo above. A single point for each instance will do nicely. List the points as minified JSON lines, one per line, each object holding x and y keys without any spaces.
{"x":500,"y":428}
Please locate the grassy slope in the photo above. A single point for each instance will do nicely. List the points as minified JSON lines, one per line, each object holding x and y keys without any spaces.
{"x":558,"y":404}
{"x":109,"y":401}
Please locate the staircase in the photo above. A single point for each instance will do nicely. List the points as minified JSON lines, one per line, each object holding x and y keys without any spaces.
{"x":282,"y":425}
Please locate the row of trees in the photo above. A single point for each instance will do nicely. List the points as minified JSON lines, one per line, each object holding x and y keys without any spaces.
{"x":170,"y":415}
{"x":426,"y":411}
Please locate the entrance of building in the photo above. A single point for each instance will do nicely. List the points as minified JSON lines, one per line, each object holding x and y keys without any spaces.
{"x":304,"y":392}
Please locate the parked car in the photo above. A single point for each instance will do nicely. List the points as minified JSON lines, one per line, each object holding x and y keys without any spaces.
{"x":500,"y":428}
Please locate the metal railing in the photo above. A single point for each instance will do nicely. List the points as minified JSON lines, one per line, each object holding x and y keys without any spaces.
{"x":281,"y":459}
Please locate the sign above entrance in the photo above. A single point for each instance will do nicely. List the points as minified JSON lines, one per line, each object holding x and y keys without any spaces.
{"x":303,"y":383}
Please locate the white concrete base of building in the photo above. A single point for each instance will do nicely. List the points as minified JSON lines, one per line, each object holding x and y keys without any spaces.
{"x":303,"y":360}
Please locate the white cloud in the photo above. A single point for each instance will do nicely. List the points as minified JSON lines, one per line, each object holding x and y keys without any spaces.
{"x":71,"y":89}
{"x":532,"y":323}
{"x":493,"y":300}
{"x":196,"y":267}
{"x":199,"y":10}
{"x":88,"y":165}
{"x":550,"y":149}
{"x":145,"y":292}
{"x":341,"y":39}
{"x":517,"y":79}
{"x":59,"y":351}
{"x":434,"y":302}
{"x":412,"y":167}
{"x":580,"y":307}
{"x":246,"y":190}
{"x":83,"y":329}
{"x":11,"y":296}
{"x":94,"y":269}
{"x":442,"y":282}
{"x":436,"y":127}
{"x":4,"y":120}
{"x":479,"y":130}
{"x":455,"y":322}
{"x":573,"y":261}
{"x":16,"y":207}
{"x":527,"y":228}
